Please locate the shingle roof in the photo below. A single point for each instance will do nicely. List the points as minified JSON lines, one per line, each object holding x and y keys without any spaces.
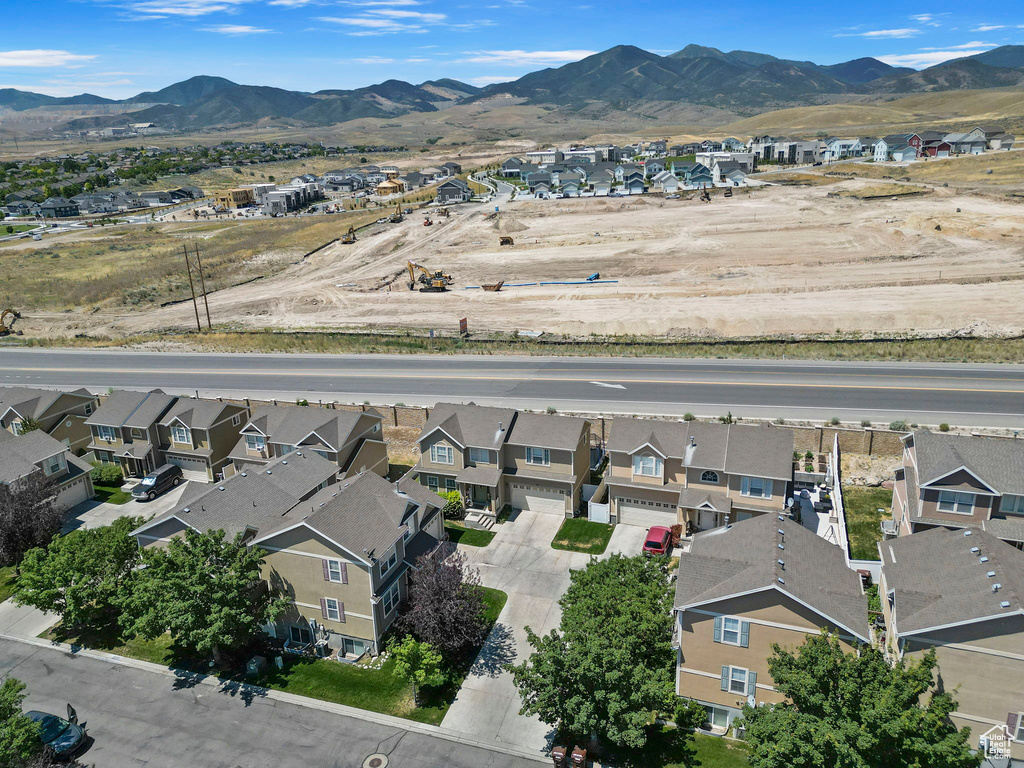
{"x":743,"y":558}
{"x":474,"y":426}
{"x":999,"y":462}
{"x":290,"y":425}
{"x":939,"y":581}
{"x":547,"y":431}
{"x":131,"y":409}
{"x":758,"y":451}
{"x":27,"y":401}
{"x":196,"y":414}
{"x":19,"y":455}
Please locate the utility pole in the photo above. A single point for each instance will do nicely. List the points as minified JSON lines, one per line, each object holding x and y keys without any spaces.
{"x":194,"y":268}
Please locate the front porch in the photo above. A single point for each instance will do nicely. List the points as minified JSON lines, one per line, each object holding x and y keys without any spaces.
{"x":478,"y":487}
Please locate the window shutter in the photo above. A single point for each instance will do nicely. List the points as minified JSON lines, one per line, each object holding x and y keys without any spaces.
{"x":751,"y":683}
{"x":725,"y":678}
{"x":718,"y":630}
{"x":327,"y":570}
{"x":344,"y":573}
{"x":767,"y":488}
{"x":745,"y":485}
{"x":1011,"y":724}
{"x":745,"y":634}
{"x":341,"y":611}
{"x":323,"y":607}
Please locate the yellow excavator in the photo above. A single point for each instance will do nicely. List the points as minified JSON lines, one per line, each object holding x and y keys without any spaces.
{"x":396,"y":217}
{"x":433,"y":282}
{"x":7,"y":318}
{"x":349,"y":237}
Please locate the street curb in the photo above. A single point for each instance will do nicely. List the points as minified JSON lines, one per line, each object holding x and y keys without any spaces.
{"x":234,"y":687}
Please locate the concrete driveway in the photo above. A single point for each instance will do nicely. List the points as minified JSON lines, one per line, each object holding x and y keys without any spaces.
{"x":93,"y":514}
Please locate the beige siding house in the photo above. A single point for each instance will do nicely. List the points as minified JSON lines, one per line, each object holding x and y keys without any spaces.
{"x":954,"y":481}
{"x":743,"y":588}
{"x":960,"y":592}
{"x":36,"y":453}
{"x":124,"y":430}
{"x":198,"y":435}
{"x":499,"y":456}
{"x":62,"y":415}
{"x":696,"y":474}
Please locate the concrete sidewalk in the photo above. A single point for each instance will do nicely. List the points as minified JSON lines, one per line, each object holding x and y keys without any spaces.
{"x":94,"y":514}
{"x":23,"y":622}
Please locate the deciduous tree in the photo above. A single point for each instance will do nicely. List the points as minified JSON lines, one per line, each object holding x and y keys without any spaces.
{"x":610,"y":663}
{"x":418,"y":663}
{"x":19,"y":736}
{"x":854,"y":710}
{"x":29,"y":516}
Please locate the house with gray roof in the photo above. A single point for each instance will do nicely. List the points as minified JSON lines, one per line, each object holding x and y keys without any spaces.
{"x":198,"y":435}
{"x":961,"y":593}
{"x":35,"y":453}
{"x":454,"y":190}
{"x":124,"y":430}
{"x":498,"y":456}
{"x":697,"y":474}
{"x":959,"y":481}
{"x":59,"y":414}
{"x":353,"y":440}
{"x":743,"y":588}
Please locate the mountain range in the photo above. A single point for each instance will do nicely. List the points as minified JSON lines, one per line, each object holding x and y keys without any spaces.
{"x":740,"y":80}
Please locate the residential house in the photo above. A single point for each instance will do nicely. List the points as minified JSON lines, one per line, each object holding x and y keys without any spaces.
{"x":198,"y":435}
{"x":841,"y":148}
{"x":390,"y":187}
{"x":240,"y":197}
{"x":747,"y":587}
{"x":36,"y":453}
{"x":1002,"y":141}
{"x":58,"y":208}
{"x":93,"y":203}
{"x":747,"y":160}
{"x":960,"y":594}
{"x":498,"y":456}
{"x":936,"y":148}
{"x":666,"y":182}
{"x":61,"y":415}
{"x":602,"y":186}
{"x":353,"y":441}
{"x":156,"y":198}
{"x":729,"y":173}
{"x":954,"y":481}
{"x":414,"y":180}
{"x":125,"y":430}
{"x":545,"y":156}
{"x":452,"y":169}
{"x":884,"y":146}
{"x":571,"y":189}
{"x":510,"y":168}
{"x":390,"y":171}
{"x":652,"y":167}
{"x":731,"y":144}
{"x":697,"y":474}
{"x":693,"y":175}
{"x":453,"y":191}
{"x":903,"y":154}
{"x":990,"y":131}
{"x":633,"y":184}
{"x":628,"y":169}
{"x":538,"y":177}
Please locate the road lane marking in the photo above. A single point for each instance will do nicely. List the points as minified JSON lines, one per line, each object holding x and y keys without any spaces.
{"x":605,"y":384}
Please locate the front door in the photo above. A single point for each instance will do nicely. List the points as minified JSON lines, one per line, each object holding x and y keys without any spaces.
{"x":707,"y":519}
{"x":481,"y":495}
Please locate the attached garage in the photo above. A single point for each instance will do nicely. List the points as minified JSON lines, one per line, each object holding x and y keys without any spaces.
{"x":646,"y":513}
{"x":537,"y":498}
{"x":191,"y":468}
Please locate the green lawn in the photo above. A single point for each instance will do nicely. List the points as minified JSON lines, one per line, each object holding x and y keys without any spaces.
{"x":863,"y":518}
{"x":17,"y":228}
{"x":111,"y":494}
{"x":670,"y":748}
{"x":472,"y":537}
{"x":6,"y":583}
{"x":578,"y":534}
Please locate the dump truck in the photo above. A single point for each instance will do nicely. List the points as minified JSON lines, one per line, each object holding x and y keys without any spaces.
{"x":432,"y":281}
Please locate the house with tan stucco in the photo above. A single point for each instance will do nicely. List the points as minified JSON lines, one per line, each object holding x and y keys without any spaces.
{"x":36,"y":454}
{"x":61,"y":415}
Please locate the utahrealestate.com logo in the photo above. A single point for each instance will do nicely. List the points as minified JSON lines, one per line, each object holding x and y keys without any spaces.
{"x":996,"y":742}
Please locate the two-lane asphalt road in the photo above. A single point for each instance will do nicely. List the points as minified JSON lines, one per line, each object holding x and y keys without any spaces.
{"x":964,"y":395}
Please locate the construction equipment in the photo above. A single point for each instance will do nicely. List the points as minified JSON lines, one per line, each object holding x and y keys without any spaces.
{"x":493,"y":287}
{"x":7,"y":318}
{"x":506,"y":240}
{"x":705,"y":196}
{"x":728,"y":192}
{"x":349,"y":237}
{"x":433,"y":281}
{"x":397,"y":217}
{"x":444,"y":212}
{"x":428,"y":222}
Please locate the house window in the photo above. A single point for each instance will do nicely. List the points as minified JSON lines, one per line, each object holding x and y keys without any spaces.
{"x":180,"y":434}
{"x":732,"y":631}
{"x":1019,"y":733}
{"x":1013,"y":505}
{"x":758,"y":487}
{"x":709,"y":477}
{"x":442,"y":454}
{"x":55,"y":464}
{"x":538,"y":456}
{"x":647,"y":465}
{"x":432,"y":482}
{"x":286,"y":449}
{"x":390,"y":600}
{"x":321,"y":454}
{"x":738,"y":680}
{"x":88,"y":409}
{"x":136,"y":432}
{"x":16,"y":427}
{"x":300,"y":635}
{"x":332,"y":610}
{"x":255,"y":442}
{"x":717,"y":717}
{"x":105,"y":433}
{"x":236,"y":420}
{"x":450,"y":484}
{"x":956,"y":502}
{"x":479,"y":456}
{"x":335,"y":572}
{"x":387,"y":565}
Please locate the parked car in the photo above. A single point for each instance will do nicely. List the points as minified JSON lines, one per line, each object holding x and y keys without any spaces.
{"x":156,"y":482}
{"x":64,"y":737}
{"x":658,"y":540}
{"x":671,"y":197}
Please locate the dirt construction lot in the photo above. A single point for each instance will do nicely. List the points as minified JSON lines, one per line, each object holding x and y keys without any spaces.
{"x":771,"y":260}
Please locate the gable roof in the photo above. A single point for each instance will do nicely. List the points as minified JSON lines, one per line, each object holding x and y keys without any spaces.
{"x":547,"y":431}
{"x":19,"y":455}
{"x":475,"y":426}
{"x":290,"y":425}
{"x":938,"y":581}
{"x":743,"y":558}
{"x":33,"y":403}
{"x":997,"y":462}
{"x":123,"y":408}
{"x":195,"y":414}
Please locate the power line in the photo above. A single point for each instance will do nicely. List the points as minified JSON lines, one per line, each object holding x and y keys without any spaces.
{"x":194,"y":268}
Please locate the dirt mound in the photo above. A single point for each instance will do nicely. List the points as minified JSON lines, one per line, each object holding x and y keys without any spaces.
{"x":508,"y":224}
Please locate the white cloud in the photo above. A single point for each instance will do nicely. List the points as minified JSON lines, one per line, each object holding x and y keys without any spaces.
{"x":41,"y":57}
{"x":374,"y":60}
{"x":928,"y":19}
{"x":927,"y":58}
{"x":963,"y":47}
{"x":372,"y":26}
{"x":989,"y":27}
{"x":236,"y":29}
{"x":882,"y":33}
{"x":521,"y":58}
{"x":157,"y":9}
{"x":426,"y":18}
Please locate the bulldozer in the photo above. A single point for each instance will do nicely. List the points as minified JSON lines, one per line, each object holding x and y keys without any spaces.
{"x":397,"y":217}
{"x":728,"y":192}
{"x":7,"y":318}
{"x":349,"y":237}
{"x":432,"y":282}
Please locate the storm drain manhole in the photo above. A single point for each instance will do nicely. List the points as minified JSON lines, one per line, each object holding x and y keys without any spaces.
{"x":376,"y":761}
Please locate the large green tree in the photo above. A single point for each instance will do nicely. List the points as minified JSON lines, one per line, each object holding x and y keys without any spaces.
{"x":29,"y":516}
{"x":610,"y":662}
{"x":80,"y":576}
{"x":203,"y":589}
{"x":854,"y":710}
{"x":19,"y":736}
{"x":419,"y":663}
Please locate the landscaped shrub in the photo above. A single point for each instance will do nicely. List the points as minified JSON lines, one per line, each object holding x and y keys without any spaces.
{"x":898,"y":426}
{"x":688,"y":416}
{"x":107,"y":474}
{"x":455,"y":508}
{"x":677,"y":534}
{"x":943,"y":427}
{"x":834,"y":421}
{"x":809,"y":455}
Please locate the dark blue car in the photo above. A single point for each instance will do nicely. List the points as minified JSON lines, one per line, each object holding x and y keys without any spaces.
{"x":64,"y":737}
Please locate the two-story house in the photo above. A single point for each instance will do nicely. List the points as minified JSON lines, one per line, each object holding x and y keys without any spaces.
{"x":353,"y":441}
{"x":956,"y":481}
{"x":61,"y":415}
{"x":498,"y":456}
{"x":198,"y":435}
{"x":746,"y":587}
{"x":697,"y":474}
{"x":36,"y":452}
{"x":960,"y":593}
{"x":338,"y":550}
{"x":125,"y":430}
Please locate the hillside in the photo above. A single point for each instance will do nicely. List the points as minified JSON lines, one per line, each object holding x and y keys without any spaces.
{"x":185,"y":92}
{"x":12,"y":98}
{"x":956,"y":75}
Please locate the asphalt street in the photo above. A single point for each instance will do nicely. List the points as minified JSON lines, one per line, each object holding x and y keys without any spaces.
{"x":140,"y":718}
{"x":963,"y":395}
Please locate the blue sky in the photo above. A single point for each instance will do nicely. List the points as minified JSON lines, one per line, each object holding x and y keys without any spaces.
{"x":117,"y":48}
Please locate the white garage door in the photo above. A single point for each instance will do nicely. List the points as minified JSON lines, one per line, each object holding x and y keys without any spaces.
{"x":191,"y":469}
{"x":535,"y":498}
{"x":646,"y":513}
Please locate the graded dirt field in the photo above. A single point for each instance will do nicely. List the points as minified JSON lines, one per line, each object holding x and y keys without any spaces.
{"x":774,"y":260}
